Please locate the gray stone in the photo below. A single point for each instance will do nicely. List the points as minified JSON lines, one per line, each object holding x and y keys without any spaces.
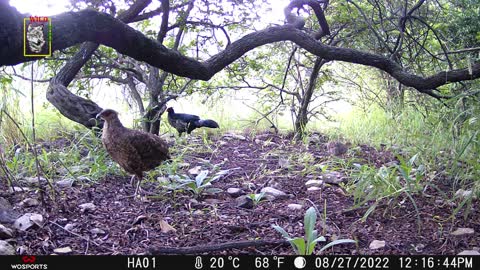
{"x":65,"y":183}
{"x":244,"y":202}
{"x":24,"y":222}
{"x":463,"y":193}
{"x":311,"y":189}
{"x":469,"y":253}
{"x":462,"y":231}
{"x":97,"y":231}
{"x":376,"y":244}
{"x":333,"y":178}
{"x":18,"y":189}
{"x":314,"y":183}
{"x":37,"y":219}
{"x":5,"y":232}
{"x":295,"y":206}
{"x":7,"y":214}
{"x":6,"y":248}
{"x":273,"y":192}
{"x":33,"y":181}
{"x":69,"y":226}
{"x":29,"y":202}
{"x":63,"y":250}
{"x":230,"y":136}
{"x":87,"y":206}
{"x":235,"y":192}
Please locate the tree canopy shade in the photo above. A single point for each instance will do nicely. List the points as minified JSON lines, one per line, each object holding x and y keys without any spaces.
{"x":72,"y":28}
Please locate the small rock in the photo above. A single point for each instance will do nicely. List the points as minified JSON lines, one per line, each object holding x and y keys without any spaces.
{"x":37,"y":219}
{"x":376,"y":244}
{"x":234,"y":136}
{"x":5,"y":232}
{"x":83,"y":178}
{"x":24,"y":222}
{"x":462,"y":231}
{"x":235,"y":192}
{"x":257,"y":141}
{"x":295,"y":206}
{"x":21,"y":250}
{"x":33,"y":181}
{"x":222,"y":143}
{"x":87,"y":206}
{"x":195,"y":170}
{"x":97,"y":231}
{"x":314,"y":183}
{"x":63,"y":250}
{"x":249,"y":185}
{"x":29,"y":202}
{"x":244,"y":202}
{"x":277,"y":194}
{"x":69,"y":226}
{"x":65,"y":183}
{"x":419,"y":248}
{"x":7,"y":213}
{"x":333,"y":178}
{"x":469,"y":253}
{"x":311,"y":189}
{"x":18,"y":189}
{"x":463,"y":193}
{"x":6,"y":248}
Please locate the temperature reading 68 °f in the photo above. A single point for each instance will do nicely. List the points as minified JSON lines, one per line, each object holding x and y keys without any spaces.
{"x":219,"y":262}
{"x":267,"y":262}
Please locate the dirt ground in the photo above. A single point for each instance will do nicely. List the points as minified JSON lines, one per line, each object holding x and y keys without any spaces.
{"x":123,"y":225}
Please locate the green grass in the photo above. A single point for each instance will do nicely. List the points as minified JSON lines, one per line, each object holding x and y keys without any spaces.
{"x":447,"y":150}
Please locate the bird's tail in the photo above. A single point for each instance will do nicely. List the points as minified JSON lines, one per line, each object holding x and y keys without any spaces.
{"x":207,"y":123}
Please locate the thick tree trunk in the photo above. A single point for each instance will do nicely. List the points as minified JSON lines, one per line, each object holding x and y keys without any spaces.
{"x":74,"y":107}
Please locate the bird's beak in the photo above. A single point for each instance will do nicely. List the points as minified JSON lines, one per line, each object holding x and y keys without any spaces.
{"x":98,"y":115}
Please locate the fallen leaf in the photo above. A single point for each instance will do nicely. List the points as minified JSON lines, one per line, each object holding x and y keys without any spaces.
{"x":165,"y":227}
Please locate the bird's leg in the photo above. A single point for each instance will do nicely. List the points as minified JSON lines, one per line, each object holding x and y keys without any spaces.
{"x":138,"y":186}
{"x":131,"y":180}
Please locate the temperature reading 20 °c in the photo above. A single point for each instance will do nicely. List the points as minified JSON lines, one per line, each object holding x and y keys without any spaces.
{"x":219,"y":262}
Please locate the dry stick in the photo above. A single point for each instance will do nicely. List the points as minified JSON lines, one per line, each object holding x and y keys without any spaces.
{"x":37,"y":165}
{"x":211,"y":248}
{"x":82,"y":237}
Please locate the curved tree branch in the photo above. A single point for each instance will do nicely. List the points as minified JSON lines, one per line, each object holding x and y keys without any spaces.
{"x":74,"y":27}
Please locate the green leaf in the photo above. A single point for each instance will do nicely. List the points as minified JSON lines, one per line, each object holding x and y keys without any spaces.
{"x":200,"y":177}
{"x":298,"y":244}
{"x":281,"y":231}
{"x":337,"y":242}
{"x":309,"y":222}
{"x":311,"y":244}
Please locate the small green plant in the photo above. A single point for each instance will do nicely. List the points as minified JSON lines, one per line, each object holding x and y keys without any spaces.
{"x":305,"y":245}
{"x":256,"y":197}
{"x":202,"y":183}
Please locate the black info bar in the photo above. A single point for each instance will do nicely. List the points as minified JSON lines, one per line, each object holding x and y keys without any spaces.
{"x":239,"y":262}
